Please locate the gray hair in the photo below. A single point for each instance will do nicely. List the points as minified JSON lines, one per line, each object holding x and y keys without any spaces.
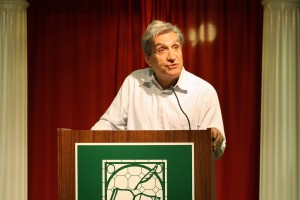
{"x":156,"y":28}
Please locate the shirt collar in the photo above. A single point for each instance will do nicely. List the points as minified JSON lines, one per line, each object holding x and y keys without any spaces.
{"x":149,"y":80}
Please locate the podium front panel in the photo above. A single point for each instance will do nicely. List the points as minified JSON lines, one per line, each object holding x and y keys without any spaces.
{"x":115,"y":165}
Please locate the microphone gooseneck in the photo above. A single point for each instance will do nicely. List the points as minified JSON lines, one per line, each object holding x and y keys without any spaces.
{"x":181,"y":108}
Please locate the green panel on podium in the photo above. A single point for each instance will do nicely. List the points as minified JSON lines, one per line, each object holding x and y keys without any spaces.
{"x":124,"y":171}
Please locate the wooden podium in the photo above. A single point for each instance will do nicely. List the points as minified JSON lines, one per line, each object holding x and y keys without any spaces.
{"x":204,"y":177}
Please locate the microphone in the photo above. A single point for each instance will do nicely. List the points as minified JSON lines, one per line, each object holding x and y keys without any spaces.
{"x":172,"y":88}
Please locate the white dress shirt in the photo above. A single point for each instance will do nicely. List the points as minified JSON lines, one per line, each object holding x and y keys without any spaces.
{"x":142,"y":104}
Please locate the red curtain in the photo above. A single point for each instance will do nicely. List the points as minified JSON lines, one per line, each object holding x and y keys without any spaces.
{"x":79,"y":53}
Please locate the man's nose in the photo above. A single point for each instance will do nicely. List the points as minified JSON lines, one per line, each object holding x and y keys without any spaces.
{"x":171,"y":56}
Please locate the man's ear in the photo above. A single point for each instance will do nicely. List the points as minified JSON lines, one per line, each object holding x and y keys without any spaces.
{"x":147,"y":59}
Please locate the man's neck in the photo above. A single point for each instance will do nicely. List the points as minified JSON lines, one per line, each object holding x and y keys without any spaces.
{"x":167,"y":83}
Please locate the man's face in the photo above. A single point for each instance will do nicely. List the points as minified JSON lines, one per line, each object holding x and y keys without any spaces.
{"x":166,"y":59}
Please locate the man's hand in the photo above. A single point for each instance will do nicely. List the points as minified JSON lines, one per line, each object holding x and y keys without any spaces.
{"x":217,"y":139}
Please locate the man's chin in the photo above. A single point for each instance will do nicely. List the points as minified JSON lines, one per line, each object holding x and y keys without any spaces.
{"x":174,"y":71}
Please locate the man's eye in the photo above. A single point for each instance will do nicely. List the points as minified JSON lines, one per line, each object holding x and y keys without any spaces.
{"x":161,"y":50}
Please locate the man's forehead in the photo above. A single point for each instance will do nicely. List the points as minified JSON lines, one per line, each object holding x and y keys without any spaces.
{"x":166,"y":38}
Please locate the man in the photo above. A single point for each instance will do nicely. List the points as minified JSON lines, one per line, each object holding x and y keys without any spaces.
{"x":165,"y":96}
